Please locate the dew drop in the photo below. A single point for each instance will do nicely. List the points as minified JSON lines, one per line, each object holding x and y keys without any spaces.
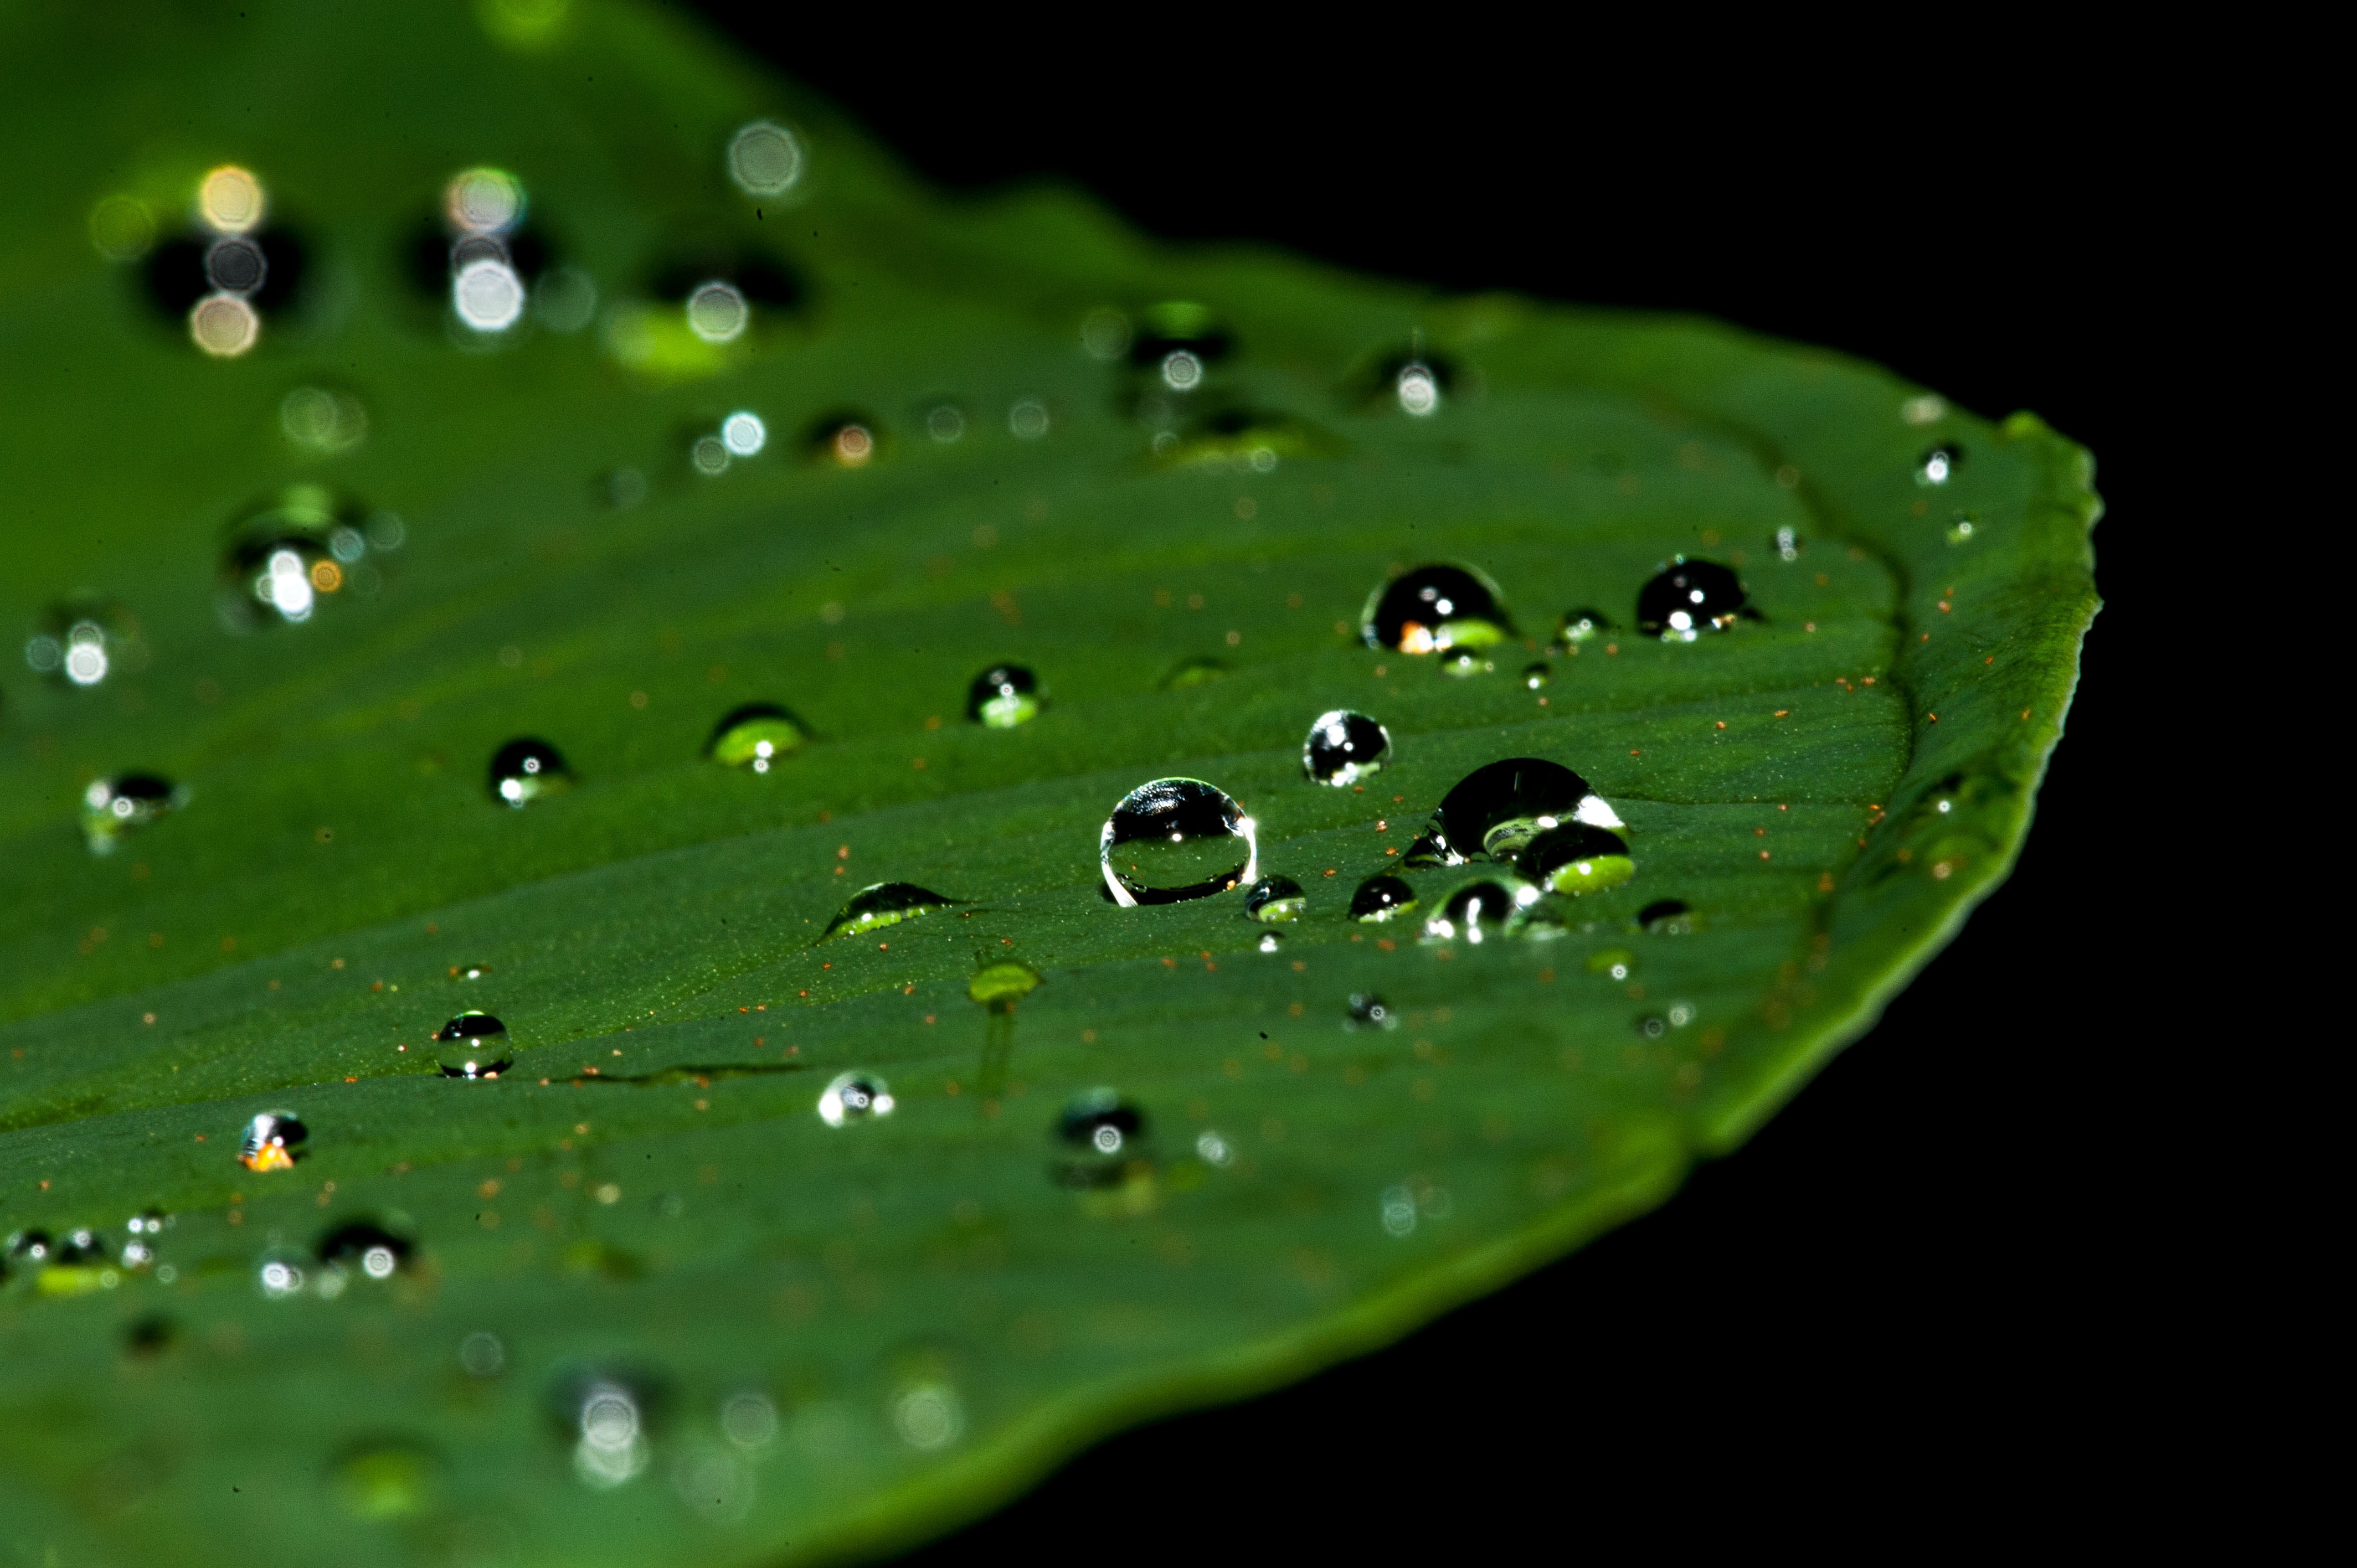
{"x":1575,"y":858}
{"x":1667,"y":916}
{"x":1687,"y":598}
{"x":1194,"y":672}
{"x":1382,"y":897}
{"x":1027,"y":419}
{"x":765,"y":159}
{"x":123,"y":804}
{"x":854,"y":1097}
{"x":1181,"y":371}
{"x":1368,"y":1010}
{"x":710,"y":456}
{"x":945,"y":423}
{"x":1101,"y":1136}
{"x":1613,"y":963}
{"x":223,"y":325}
{"x":359,"y":1244}
{"x":848,"y":442}
{"x":1461,"y":662}
{"x":82,"y":640}
{"x":1271,"y":941}
{"x":321,"y":420}
{"x":1275,"y":900}
{"x":381,"y":1480}
{"x":717,"y":311}
{"x":884,"y":904}
{"x":1418,"y":390}
{"x":487,"y":294}
{"x":1104,"y":332}
{"x":1538,"y":674}
{"x":1580,"y":626}
{"x":1479,"y":911}
{"x":293,"y":554}
{"x":744,"y":434}
{"x":1652,"y":1026}
{"x":607,"y":1415}
{"x":756,"y":736}
{"x":526,"y":771}
{"x":1961,"y":531}
{"x":235,"y":264}
{"x":473,"y":1044}
{"x":229,"y":200}
{"x":1004,"y":696}
{"x":1343,"y":747}
{"x":272,"y":1142}
{"x":1176,"y":839}
{"x":1787,"y":543}
{"x":1435,"y":608}
{"x":1939,"y":465}
{"x":1495,"y":810}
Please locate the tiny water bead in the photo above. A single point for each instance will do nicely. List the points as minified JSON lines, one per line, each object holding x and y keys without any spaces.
{"x":323,"y":420}
{"x":854,"y":1097}
{"x":1004,"y":696}
{"x":1176,"y":839}
{"x":1461,"y":662}
{"x":1102,"y":1136}
{"x":473,"y":1044}
{"x":1382,"y":897}
{"x":526,"y":771}
{"x":1687,"y":598}
{"x":1174,"y":328}
{"x":235,"y":264}
{"x":1275,"y":900}
{"x":486,"y":296}
{"x":765,"y":159}
{"x":945,"y":423}
{"x":846,"y":441}
{"x":1787,"y":543}
{"x":1613,"y":963}
{"x":1433,"y":609}
{"x":1538,"y":674}
{"x":1667,"y":916}
{"x":124,"y":804}
{"x":755,"y":735}
{"x":1582,"y":625}
{"x":610,"y":1415}
{"x":1574,"y":858}
{"x":1271,"y":941}
{"x":1494,"y":907}
{"x":360,"y":1244}
{"x":744,"y":434}
{"x":884,"y":904}
{"x":78,"y":643}
{"x":1417,"y":387}
{"x":272,"y":1142}
{"x":1345,"y":748}
{"x":1368,"y":1010}
{"x":1495,"y":810}
{"x":1939,"y":465}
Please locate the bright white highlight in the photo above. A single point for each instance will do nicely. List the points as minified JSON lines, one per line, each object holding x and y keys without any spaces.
{"x":487,"y":294}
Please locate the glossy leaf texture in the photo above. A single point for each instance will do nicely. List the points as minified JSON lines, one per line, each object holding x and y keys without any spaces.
{"x":762,"y":1245}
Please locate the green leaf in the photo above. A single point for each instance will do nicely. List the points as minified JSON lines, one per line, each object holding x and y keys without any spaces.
{"x":783,"y":1333}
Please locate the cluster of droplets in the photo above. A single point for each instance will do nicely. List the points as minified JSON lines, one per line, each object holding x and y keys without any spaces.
{"x":230,"y":206}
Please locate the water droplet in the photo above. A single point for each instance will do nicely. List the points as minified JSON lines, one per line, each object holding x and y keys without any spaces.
{"x":1681,"y":1014}
{"x":1105,"y":331}
{"x":1194,"y":672}
{"x":884,"y":904}
{"x":381,"y":1480}
{"x":1939,"y":465}
{"x":1213,"y":1149}
{"x":717,"y":311}
{"x":1368,"y":1010}
{"x":1494,"y":907}
{"x":1961,"y":531}
{"x":1418,"y":390}
{"x":1614,"y":963}
{"x":1271,"y":941}
{"x":1027,"y":419}
{"x":1535,"y":675}
{"x":1275,"y":900}
{"x":123,"y":804}
{"x":122,"y":228}
{"x":744,"y":434}
{"x":1005,"y":695}
{"x":1580,"y":626}
{"x":1382,"y":897}
{"x":473,"y":1044}
{"x":1652,"y":1026}
{"x":845,"y":440}
{"x":1176,"y":839}
{"x":1463,"y":662}
{"x":710,"y":456}
{"x":1181,"y":371}
{"x":755,"y":735}
{"x":273,"y":1141}
{"x":235,"y":264}
{"x":1690,"y":597}
{"x":1433,"y":609}
{"x":748,"y":1419}
{"x":321,"y":420}
{"x":765,"y":159}
{"x":945,"y":423}
{"x":1575,"y":858}
{"x":1495,"y":810}
{"x":1667,"y":916}
{"x":82,"y":640}
{"x":223,"y":325}
{"x":1345,"y":748}
{"x":1101,"y":1136}
{"x":526,"y":771}
{"x":290,"y":555}
{"x":375,"y":1251}
{"x":928,"y":1416}
{"x":607,"y":1414}
{"x":1787,"y":543}
{"x":230,"y":200}
{"x":481,"y":1355}
{"x":854,"y":1097}
{"x":999,"y":985}
{"x":487,"y":294}
{"x":1398,"y":1210}
{"x":281,"y":1274}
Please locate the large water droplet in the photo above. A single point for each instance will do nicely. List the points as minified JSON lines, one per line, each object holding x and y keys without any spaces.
{"x":1433,"y":609}
{"x":272,"y":1142}
{"x":883,"y":904}
{"x":1574,"y":858}
{"x":1494,"y":811}
{"x":1690,"y":597}
{"x":359,"y":1244}
{"x":1582,"y":625}
{"x":1176,"y":839}
{"x":526,"y":771}
{"x":854,"y":1097}
{"x":1345,"y":748}
{"x":1275,"y":900}
{"x":1368,"y":1010}
{"x":123,"y":804}
{"x":1382,"y":897}
{"x":755,"y":735}
{"x":1939,"y":465}
{"x":1103,"y":1136}
{"x":1005,"y":695}
{"x":1494,"y":907}
{"x":473,"y":1044}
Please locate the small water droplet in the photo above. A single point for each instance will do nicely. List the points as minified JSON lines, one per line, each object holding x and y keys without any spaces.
{"x":486,"y":294}
{"x":1104,"y":332}
{"x":1435,"y":608}
{"x":1382,"y":897}
{"x":1687,"y":598}
{"x":717,"y":311}
{"x":1582,"y":625}
{"x":323,"y":420}
{"x":884,"y":904}
{"x":1667,"y":916}
{"x":1681,"y":1014}
{"x":1176,"y":839}
{"x":945,"y":423}
{"x":1194,"y":672}
{"x":1275,"y":900}
{"x":1345,"y":748}
{"x":710,"y":456}
{"x":281,"y":1274}
{"x":1271,"y":941}
{"x":481,"y":1355}
{"x":526,"y":771}
{"x":112,"y":808}
{"x":380,"y":1480}
{"x":1494,"y":907}
{"x":749,"y":1419}
{"x":1495,"y":810}
{"x":1961,"y":531}
{"x":1461,"y":662}
{"x":1368,"y":1010}
{"x":1102,"y":1135}
{"x":1939,"y":465}
{"x":854,"y":1097}
{"x":235,"y":264}
{"x":79,"y":642}
{"x":743,"y":432}
{"x":1789,"y":543}
{"x":473,"y":1044}
{"x":369,"y":1248}
{"x":1538,"y":674}
{"x":1214,"y":1149}
{"x":928,"y":1416}
{"x":765,"y":159}
{"x":1575,"y":858}
{"x":1614,"y":963}
{"x":1027,"y":419}
{"x":1397,"y":1207}
{"x":223,"y":325}
{"x":273,"y":1141}
{"x":291,"y":555}
{"x":756,"y":737}
{"x":607,"y":1414}
{"x":1005,"y":695}
{"x":1652,"y":1026}
{"x":1418,"y":390}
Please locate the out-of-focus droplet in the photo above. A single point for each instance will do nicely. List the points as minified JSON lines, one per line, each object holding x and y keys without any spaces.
{"x":1382,"y":897}
{"x":1345,"y":748}
{"x":1613,"y":963}
{"x":229,"y":200}
{"x":1101,"y":1136}
{"x":1176,"y":839}
{"x":744,"y":434}
{"x":845,"y":442}
{"x":224,"y":325}
{"x":487,"y":294}
{"x":1668,"y":918}
{"x":473,"y":1044}
{"x":524,"y":771}
{"x":483,"y":201}
{"x":1461,"y":662}
{"x":1181,"y":371}
{"x":124,"y":804}
{"x":1580,"y":626}
{"x":294,"y":552}
{"x":1686,"y":598}
{"x":717,"y":312}
{"x":122,"y":228}
{"x":1494,"y":907}
{"x":1368,"y":1010}
{"x":320,"y":419}
{"x":1193,"y":672}
{"x":272,"y":1142}
{"x":1027,"y":419}
{"x":1004,"y":696}
{"x":944,"y":423}
{"x":1418,"y":390}
{"x":1961,"y":531}
{"x":364,"y":1246}
{"x":235,"y":264}
{"x":854,"y":1097}
{"x":1574,"y":858}
{"x":884,"y":904}
{"x":765,"y":159}
{"x":609,"y":1418}
{"x":756,"y":737}
{"x":1495,"y":810}
{"x":1271,"y":941}
{"x":748,"y":1419}
{"x":710,"y":455}
{"x":928,"y":1416}
{"x":1106,"y":334}
{"x":1433,"y":609}
{"x":481,"y":1355}
{"x":1275,"y":900}
{"x":1927,"y":409}
{"x":381,"y":1480}
{"x":1538,"y":674}
{"x":1939,"y":465}
{"x":1787,"y":543}
{"x":82,"y":640}
{"x":565,"y":299}
{"x":280,"y":1274}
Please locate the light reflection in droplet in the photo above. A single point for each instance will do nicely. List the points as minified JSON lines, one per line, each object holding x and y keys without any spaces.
{"x":285,"y":586}
{"x":710,"y":456}
{"x":1214,"y":1149}
{"x":487,"y":294}
{"x":223,"y":325}
{"x":235,"y":264}
{"x":717,"y":312}
{"x":122,"y":228}
{"x":323,"y":421}
{"x":744,"y":434}
{"x":1027,"y":419}
{"x":853,"y":445}
{"x":229,"y":200}
{"x":1106,"y":333}
{"x":854,"y":1097}
{"x":1419,"y":391}
{"x":750,"y":1419}
{"x":483,"y":200}
{"x":85,"y":657}
{"x":613,"y":1449}
{"x":765,"y":159}
{"x":1181,"y":372}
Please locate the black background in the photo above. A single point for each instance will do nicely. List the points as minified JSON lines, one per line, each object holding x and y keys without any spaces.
{"x":1889,"y":1299}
